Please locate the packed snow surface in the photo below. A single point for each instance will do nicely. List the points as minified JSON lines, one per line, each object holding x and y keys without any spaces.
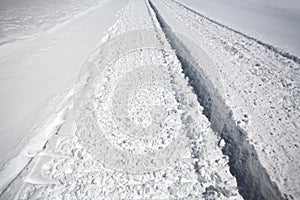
{"x":147,"y":99}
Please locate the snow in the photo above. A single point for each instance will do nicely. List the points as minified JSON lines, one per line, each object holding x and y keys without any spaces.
{"x":28,"y":18}
{"x":34,"y":145}
{"x":149,"y":99}
{"x":273,"y":21}
{"x":145,"y":156}
{"x":36,"y":74}
{"x":249,"y":73}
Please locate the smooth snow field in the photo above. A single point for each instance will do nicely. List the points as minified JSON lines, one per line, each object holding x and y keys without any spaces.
{"x":149,"y":99}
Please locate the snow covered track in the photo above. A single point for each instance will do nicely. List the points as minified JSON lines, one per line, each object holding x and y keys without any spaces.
{"x":146,"y":114}
{"x":214,"y":38}
{"x":157,"y":115}
{"x":253,"y":180}
{"x":141,"y":130}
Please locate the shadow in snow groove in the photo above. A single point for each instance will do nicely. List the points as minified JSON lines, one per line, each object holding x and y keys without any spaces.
{"x":252,"y":179}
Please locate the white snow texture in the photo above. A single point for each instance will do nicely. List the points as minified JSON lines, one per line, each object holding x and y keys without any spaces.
{"x":149,"y":99}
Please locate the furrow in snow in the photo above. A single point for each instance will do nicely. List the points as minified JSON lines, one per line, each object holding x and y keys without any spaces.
{"x":252,"y":137}
{"x":140,"y":132}
{"x":253,"y":180}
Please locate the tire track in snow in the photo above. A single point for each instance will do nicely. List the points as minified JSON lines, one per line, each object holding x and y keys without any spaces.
{"x":134,"y":91}
{"x":182,"y":92}
{"x":253,"y":179}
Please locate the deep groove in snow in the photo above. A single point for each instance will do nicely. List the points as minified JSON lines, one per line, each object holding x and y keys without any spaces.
{"x":253,"y":180}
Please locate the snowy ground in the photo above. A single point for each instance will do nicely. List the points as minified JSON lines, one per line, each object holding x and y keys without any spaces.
{"x":26,"y":19}
{"x":37,"y":73}
{"x":137,"y":110}
{"x":273,"y":21}
{"x":249,"y":79}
